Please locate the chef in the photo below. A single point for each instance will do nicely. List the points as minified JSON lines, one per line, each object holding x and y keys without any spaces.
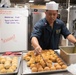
{"x":47,"y":31}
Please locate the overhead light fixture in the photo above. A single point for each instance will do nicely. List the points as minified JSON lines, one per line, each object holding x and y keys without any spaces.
{"x":46,"y":0}
{"x":31,"y":0}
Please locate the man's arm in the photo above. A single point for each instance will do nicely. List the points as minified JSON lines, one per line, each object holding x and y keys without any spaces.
{"x":71,"y":38}
{"x":36,"y":45}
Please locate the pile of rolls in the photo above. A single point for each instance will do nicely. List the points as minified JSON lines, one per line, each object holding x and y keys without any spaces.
{"x":37,"y":64}
{"x":8,"y":64}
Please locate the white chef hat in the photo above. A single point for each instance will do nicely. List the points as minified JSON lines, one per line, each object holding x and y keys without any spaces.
{"x":52,"y":5}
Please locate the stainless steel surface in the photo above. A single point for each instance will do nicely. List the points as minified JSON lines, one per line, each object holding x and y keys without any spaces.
{"x":74,"y":48}
{"x":67,"y":54}
{"x":63,"y":16}
{"x":35,"y":16}
{"x":72,"y":21}
{"x":20,"y":71}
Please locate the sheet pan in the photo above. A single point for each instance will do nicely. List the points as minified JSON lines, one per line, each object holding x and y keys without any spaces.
{"x":27,"y":70}
{"x":19,"y":61}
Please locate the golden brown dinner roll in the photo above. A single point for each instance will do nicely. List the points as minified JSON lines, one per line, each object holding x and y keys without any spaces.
{"x":7,"y":64}
{"x":56,"y":64}
{"x":9,"y":58}
{"x":3,"y":60}
{"x":32,"y":65}
{"x":3,"y":70}
{"x":34,"y":69}
{"x":1,"y":66}
{"x":10,"y":70}
{"x":29,"y":63}
{"x":61,"y":63}
{"x":30,"y":53}
{"x":46,"y":68}
{"x":37,"y":59}
{"x":26,"y":57}
{"x":64,"y":66}
{"x":13,"y":67}
{"x":58,"y":67}
{"x":52,"y":68}
{"x":40,"y":69}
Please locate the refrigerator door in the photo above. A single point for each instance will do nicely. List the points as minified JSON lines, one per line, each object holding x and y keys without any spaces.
{"x":33,"y":19}
{"x":37,"y":16}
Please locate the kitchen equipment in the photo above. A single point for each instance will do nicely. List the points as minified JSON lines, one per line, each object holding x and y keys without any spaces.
{"x":67,"y":54}
{"x":72,"y":21}
{"x":31,"y":0}
{"x":74,"y":49}
{"x":36,"y":13}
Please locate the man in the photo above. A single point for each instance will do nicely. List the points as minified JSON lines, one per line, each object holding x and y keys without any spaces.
{"x":46,"y":33}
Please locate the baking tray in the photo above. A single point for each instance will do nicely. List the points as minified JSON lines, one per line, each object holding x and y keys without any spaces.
{"x":19,"y":61}
{"x":27,"y":70}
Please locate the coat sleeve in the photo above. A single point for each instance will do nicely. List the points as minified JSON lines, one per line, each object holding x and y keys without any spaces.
{"x":37,"y":31}
{"x":64,"y":30}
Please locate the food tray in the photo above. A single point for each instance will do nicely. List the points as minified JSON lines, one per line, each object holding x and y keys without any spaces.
{"x":19,"y":60}
{"x":67,"y":54}
{"x":27,"y":70}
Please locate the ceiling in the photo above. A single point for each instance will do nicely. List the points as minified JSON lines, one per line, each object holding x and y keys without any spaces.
{"x":42,"y":1}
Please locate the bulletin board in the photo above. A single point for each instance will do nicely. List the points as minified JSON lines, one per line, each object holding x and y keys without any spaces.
{"x":13,"y":29}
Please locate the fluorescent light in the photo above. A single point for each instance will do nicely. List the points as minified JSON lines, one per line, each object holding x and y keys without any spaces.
{"x":31,"y":0}
{"x":46,"y":0}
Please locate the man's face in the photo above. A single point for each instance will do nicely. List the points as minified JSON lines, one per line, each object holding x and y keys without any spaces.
{"x":51,"y":15}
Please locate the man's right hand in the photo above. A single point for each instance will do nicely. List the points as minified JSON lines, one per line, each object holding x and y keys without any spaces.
{"x":36,"y":46}
{"x":38,"y":50}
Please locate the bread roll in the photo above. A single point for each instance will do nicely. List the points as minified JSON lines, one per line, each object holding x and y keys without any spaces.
{"x":7,"y":64}
{"x":1,"y":66}
{"x":3,"y":70}
{"x":10,"y":70}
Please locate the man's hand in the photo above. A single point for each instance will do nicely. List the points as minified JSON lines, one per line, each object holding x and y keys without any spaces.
{"x":36,"y":46}
{"x":38,"y":50}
